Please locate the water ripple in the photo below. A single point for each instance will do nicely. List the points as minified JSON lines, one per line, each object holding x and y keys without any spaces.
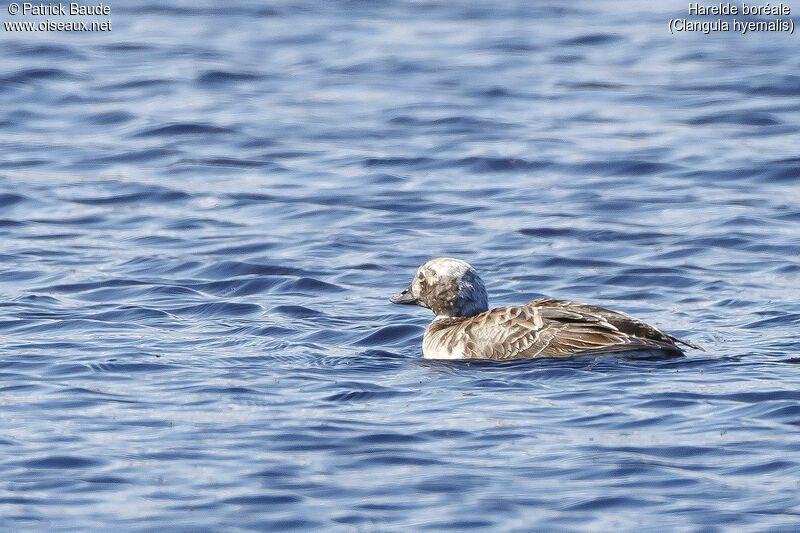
{"x":201,"y":230}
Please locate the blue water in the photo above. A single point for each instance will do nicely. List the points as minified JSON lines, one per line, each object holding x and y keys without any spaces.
{"x":204,"y":212}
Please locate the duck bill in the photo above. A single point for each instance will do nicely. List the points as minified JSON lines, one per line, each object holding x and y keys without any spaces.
{"x":405,"y":297}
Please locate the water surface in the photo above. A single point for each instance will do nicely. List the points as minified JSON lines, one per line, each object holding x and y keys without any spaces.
{"x":204,"y":212}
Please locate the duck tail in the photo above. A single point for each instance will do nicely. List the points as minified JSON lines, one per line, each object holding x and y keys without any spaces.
{"x":673,"y":338}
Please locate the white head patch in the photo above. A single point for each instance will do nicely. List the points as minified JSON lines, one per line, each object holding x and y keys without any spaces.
{"x":450,"y":287}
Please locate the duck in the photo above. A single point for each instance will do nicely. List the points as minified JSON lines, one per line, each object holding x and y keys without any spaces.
{"x":465,"y":328}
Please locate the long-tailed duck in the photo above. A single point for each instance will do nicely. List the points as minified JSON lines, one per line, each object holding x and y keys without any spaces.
{"x":465,"y":328}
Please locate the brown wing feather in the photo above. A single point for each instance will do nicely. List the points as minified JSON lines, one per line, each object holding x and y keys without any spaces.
{"x":554,"y":328}
{"x":623,"y":322}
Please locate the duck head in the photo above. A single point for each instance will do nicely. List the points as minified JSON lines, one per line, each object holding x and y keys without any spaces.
{"x":449,"y":287}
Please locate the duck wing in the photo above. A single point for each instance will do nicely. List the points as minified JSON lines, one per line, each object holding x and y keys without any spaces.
{"x":554,"y":328}
{"x":621,"y":321}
